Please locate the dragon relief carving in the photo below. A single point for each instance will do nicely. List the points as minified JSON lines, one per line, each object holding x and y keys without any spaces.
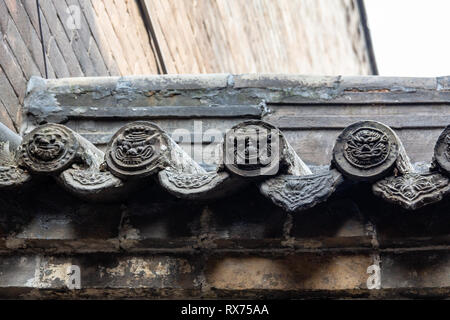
{"x":136,"y":150}
{"x":413,"y":190}
{"x":295,"y":193}
{"x":367,"y":148}
{"x":49,"y":148}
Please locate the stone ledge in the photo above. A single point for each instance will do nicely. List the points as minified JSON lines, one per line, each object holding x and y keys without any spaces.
{"x":169,"y":276}
{"x":209,"y":89}
{"x":239,"y":81}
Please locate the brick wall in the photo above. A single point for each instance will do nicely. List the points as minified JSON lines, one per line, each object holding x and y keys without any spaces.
{"x":111,"y":40}
{"x":264,"y":36}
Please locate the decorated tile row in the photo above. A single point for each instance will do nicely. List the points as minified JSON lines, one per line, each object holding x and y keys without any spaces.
{"x":252,"y":152}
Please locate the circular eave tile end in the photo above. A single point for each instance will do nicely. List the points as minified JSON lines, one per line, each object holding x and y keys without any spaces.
{"x":366,"y":151}
{"x":253,"y":148}
{"x":49,"y":149}
{"x":136,"y":150}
